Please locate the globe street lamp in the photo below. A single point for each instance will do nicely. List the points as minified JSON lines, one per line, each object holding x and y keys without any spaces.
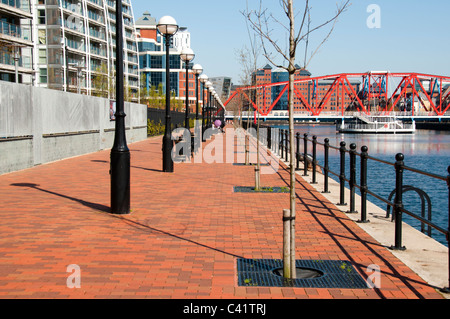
{"x":187,"y":55}
{"x":167,"y":26}
{"x":198,"y":69}
{"x":211,"y":93}
{"x":203,"y":79}
{"x":120,"y":154}
{"x":208,"y":86}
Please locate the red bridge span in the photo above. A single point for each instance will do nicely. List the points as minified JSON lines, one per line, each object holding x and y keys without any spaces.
{"x":371,"y":93}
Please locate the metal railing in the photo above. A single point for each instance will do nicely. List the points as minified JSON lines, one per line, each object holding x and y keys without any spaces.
{"x":277,"y":140}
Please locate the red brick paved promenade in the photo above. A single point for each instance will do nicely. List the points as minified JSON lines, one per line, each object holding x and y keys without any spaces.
{"x":182,"y":239}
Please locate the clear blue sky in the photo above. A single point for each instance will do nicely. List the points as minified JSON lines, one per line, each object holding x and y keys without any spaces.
{"x":413,"y":36}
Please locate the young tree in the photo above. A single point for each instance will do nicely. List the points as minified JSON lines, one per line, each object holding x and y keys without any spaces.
{"x":261,"y":22}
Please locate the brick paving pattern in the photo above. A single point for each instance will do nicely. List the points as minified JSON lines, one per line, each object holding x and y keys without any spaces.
{"x":182,"y":239}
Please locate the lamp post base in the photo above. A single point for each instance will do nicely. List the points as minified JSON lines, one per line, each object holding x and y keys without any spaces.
{"x":167,"y":154}
{"x":120,"y":182}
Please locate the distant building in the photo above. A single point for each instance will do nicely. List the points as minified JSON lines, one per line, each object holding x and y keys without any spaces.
{"x":16,"y":41}
{"x":222,"y":85}
{"x":152,"y":60}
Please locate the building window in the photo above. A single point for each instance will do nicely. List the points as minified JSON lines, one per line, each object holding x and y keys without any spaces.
{"x":42,"y":56}
{"x":43,"y":75}
{"x":41,"y":16}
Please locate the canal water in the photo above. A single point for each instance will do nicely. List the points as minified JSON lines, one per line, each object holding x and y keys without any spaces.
{"x":426,"y":150}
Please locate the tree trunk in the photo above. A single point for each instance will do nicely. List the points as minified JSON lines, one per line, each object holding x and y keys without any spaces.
{"x":292,"y":47}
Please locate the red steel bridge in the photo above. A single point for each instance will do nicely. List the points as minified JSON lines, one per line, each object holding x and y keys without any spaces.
{"x":372,"y":93}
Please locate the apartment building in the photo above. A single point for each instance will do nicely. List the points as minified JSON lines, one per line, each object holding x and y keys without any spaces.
{"x":16,"y":41}
{"x":75,"y":46}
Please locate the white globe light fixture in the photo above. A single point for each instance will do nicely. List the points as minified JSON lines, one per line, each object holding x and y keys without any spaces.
{"x":198,"y":69}
{"x":187,"y":55}
{"x":167,"y":25}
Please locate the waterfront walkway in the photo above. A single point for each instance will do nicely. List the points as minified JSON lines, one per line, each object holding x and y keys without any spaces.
{"x":183,"y":238}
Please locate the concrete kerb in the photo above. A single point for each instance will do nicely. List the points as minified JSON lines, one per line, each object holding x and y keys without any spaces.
{"x":424,"y":255}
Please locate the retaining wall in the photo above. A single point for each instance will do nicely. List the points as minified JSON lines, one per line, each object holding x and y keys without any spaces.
{"x":39,"y":125}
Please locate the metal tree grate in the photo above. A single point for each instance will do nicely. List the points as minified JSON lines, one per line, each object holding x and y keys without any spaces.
{"x":264,"y":189}
{"x":336,"y":274}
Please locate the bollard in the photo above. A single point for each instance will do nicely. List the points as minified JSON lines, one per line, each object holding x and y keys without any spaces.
{"x":305,"y":154}
{"x":398,"y":201}
{"x":269,"y":138}
{"x":342,"y":175}
{"x":326,"y":148}
{"x":314,"y":181}
{"x":297,"y":154}
{"x":352,"y":180}
{"x":363,"y":185}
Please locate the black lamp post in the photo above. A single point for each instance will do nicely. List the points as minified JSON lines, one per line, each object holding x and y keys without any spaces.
{"x":198,"y":69}
{"x":120,"y":154}
{"x":203,"y":79}
{"x":167,"y":26}
{"x":187,"y":55}
{"x":209,"y":89}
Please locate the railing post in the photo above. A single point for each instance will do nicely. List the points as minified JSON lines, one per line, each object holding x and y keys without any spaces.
{"x":286,"y":144}
{"x":314,"y":161}
{"x":305,"y":154}
{"x":277,"y":140}
{"x":326,"y":168}
{"x":352,"y":180}
{"x":447,"y":289}
{"x":297,"y":153}
{"x":342,"y":175}
{"x":280,"y":143}
{"x":398,"y":201}
{"x":363,"y":185}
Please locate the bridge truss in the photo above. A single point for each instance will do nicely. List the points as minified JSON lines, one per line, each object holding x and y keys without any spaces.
{"x":372,"y":93}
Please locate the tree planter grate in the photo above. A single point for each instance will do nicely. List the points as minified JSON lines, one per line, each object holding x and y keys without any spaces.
{"x":332,"y":274}
{"x":251,"y":164}
{"x":265,"y":189}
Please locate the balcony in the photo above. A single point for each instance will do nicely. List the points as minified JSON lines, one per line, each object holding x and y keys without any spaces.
{"x":97,"y":34}
{"x":96,"y":17}
{"x":96,"y":3}
{"x":19,"y":8}
{"x":14,"y":33}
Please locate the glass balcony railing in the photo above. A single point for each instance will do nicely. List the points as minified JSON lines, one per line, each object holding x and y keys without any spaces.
{"x":98,"y":51}
{"x":97,"y":34}
{"x":76,"y":45}
{"x":72,"y":7}
{"x":23,"y":5}
{"x":97,"y":2}
{"x":10,"y":29}
{"x":95,"y":16}
{"x":8,"y":59}
{"x":73,"y":25}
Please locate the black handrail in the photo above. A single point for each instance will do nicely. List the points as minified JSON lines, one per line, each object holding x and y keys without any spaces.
{"x":397,"y":204}
{"x":399,"y":166}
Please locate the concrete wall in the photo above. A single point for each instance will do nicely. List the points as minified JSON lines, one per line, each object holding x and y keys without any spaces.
{"x":39,"y":125}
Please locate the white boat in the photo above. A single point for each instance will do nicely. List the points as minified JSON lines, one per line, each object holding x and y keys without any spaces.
{"x":376,"y":125}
